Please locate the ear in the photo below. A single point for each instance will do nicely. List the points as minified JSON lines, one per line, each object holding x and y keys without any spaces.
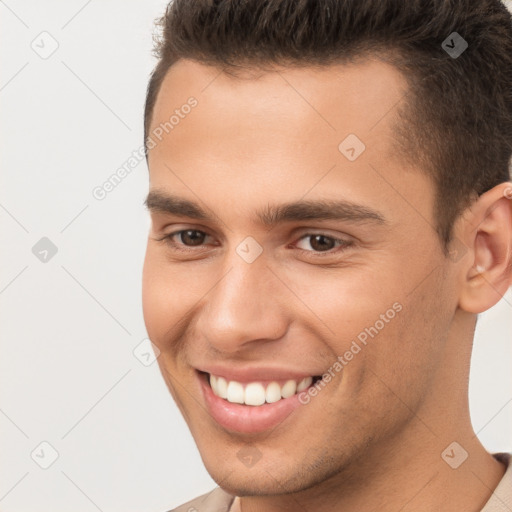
{"x":486,"y":230}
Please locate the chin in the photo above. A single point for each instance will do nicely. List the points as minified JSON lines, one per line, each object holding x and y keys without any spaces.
{"x":260,"y":485}
{"x":269,"y":478}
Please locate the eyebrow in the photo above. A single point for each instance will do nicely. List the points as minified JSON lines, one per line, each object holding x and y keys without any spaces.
{"x":271,"y":215}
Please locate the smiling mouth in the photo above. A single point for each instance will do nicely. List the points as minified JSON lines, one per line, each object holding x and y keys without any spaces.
{"x":257,"y":393}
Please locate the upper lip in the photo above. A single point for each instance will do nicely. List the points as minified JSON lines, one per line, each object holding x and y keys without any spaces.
{"x":251,"y":374}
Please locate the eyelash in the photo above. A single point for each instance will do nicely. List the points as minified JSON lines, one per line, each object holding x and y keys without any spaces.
{"x":344,"y":244}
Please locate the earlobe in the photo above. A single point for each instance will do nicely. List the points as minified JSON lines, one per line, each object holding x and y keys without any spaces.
{"x":488,"y":233}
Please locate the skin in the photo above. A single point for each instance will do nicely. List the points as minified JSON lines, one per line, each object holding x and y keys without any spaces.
{"x":384,"y":421}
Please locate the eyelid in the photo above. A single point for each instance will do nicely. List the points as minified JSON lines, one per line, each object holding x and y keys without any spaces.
{"x":168,"y":239}
{"x":335,"y":252}
{"x":343,"y":243}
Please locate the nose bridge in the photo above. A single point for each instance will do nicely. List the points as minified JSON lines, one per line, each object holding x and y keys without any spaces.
{"x":243,"y":306}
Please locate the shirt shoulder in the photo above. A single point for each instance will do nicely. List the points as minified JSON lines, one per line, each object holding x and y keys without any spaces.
{"x":501,"y":499}
{"x":217,"y":500}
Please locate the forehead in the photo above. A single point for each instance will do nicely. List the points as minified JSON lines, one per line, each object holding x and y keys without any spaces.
{"x":280,"y":133}
{"x":355,"y":96}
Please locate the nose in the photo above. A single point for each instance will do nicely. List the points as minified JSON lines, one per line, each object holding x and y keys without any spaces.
{"x":245,"y":306}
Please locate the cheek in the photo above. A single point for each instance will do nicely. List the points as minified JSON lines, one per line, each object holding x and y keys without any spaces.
{"x":370,"y":319}
{"x":346,"y":302}
{"x":160,"y":304}
{"x":169,"y":293}
{"x":404,"y":357}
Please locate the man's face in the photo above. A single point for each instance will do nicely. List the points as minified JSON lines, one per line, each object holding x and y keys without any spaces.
{"x":255,"y":303}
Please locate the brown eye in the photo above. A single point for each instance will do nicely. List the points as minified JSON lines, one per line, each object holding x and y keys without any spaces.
{"x":318,"y":245}
{"x":321,"y":242}
{"x":192,"y":237}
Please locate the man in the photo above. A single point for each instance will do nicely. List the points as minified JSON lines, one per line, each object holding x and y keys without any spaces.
{"x":330,"y":204}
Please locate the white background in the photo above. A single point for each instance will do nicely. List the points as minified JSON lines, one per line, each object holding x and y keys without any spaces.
{"x":68,"y":326}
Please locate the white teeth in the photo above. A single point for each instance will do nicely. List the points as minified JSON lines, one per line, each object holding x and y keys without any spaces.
{"x":222,"y":387}
{"x":273,"y":393}
{"x":235,"y":392}
{"x":289,"y":389}
{"x":255,"y":393}
{"x":304,"y":383}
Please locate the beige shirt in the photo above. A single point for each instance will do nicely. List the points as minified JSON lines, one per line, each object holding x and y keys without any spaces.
{"x":219,"y":500}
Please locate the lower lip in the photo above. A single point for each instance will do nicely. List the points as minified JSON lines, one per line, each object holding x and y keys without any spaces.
{"x":247,"y":419}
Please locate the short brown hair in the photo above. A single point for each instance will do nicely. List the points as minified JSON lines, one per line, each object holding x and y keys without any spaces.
{"x":457,"y":121}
